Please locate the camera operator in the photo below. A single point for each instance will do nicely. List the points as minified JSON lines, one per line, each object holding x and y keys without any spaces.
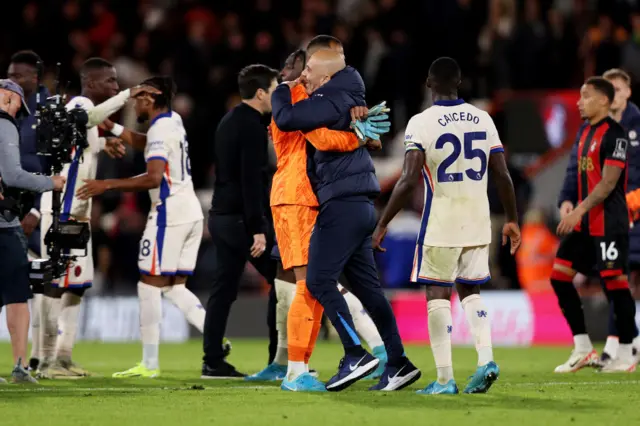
{"x":60,"y":306}
{"x":14,"y":265}
{"x":23,"y":70}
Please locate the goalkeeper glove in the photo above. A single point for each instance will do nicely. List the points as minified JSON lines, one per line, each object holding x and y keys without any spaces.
{"x":381,"y":108}
{"x":372,"y":127}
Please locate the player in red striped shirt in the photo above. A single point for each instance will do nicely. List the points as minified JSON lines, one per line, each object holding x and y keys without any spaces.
{"x":597,"y":230}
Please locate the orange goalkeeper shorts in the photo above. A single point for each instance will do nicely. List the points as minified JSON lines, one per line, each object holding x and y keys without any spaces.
{"x":294,"y":225}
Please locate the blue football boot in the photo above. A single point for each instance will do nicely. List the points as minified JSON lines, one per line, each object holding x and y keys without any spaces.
{"x":303,"y":383}
{"x":435,"y":388}
{"x":270,"y":373}
{"x":484,"y":377}
{"x":380,"y":353}
{"x":351,"y":369}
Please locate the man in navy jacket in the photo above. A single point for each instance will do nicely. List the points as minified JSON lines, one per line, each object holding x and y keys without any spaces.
{"x":345,"y":184}
{"x":628,"y":115}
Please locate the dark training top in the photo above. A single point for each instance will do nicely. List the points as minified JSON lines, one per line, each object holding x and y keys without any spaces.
{"x":242,"y":166}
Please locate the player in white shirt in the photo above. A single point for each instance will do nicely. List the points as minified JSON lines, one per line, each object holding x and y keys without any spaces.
{"x":60,"y":305}
{"x":451,"y":145}
{"x":170,"y":243}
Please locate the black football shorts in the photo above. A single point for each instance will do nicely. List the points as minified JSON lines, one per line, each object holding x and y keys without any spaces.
{"x":582,"y":252}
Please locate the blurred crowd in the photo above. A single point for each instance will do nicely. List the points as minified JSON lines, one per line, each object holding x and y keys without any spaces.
{"x":500,"y":45}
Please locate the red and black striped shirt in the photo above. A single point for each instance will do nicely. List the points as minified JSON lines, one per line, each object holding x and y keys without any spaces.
{"x":603,"y":144}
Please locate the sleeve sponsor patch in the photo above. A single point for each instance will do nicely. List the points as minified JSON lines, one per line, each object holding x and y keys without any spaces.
{"x":620,"y":152}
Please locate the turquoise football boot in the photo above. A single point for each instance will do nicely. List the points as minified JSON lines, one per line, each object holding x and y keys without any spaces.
{"x":380,"y":353}
{"x":303,"y":383}
{"x":270,"y":373}
{"x":484,"y":377}
{"x":435,"y":388}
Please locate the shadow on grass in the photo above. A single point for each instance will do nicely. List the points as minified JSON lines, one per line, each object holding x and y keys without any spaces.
{"x":465,"y":403}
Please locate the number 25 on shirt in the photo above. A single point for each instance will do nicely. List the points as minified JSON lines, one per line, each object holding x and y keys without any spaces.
{"x":465,"y":148}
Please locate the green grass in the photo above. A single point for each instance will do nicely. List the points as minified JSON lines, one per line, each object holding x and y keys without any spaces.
{"x":527,"y":393}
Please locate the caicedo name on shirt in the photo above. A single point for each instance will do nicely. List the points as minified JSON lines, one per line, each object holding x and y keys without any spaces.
{"x":458,"y":116}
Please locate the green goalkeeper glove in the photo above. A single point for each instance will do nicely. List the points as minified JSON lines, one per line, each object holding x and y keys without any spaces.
{"x":372,"y":127}
{"x":381,"y":108}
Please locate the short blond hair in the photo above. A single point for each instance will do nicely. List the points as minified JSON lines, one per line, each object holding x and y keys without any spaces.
{"x":614,"y":73}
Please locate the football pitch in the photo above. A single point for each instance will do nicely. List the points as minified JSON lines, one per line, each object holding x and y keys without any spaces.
{"x":527,"y":393}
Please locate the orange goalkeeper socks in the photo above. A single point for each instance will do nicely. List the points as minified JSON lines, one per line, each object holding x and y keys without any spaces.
{"x":303,"y":323}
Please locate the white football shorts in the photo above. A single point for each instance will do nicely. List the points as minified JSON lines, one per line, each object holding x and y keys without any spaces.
{"x":169,"y":250}
{"x":445,"y":266}
{"x":79,"y":272}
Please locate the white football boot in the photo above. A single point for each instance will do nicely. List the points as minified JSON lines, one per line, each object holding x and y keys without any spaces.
{"x":618,"y":365}
{"x":577,"y":361}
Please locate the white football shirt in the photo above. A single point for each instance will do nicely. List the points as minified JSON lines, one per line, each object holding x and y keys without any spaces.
{"x":175,"y":202}
{"x":83,"y":166}
{"x":457,"y":139}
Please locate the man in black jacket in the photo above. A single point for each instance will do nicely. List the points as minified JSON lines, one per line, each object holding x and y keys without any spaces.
{"x":238,"y":220}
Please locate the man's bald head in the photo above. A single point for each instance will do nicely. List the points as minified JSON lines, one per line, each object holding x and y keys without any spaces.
{"x":322,"y":65}
{"x":324,"y":42}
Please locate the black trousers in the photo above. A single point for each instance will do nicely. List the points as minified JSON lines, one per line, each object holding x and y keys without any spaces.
{"x":231,"y":245}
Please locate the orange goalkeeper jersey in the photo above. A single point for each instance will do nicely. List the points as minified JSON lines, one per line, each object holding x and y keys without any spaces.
{"x":291,"y":183}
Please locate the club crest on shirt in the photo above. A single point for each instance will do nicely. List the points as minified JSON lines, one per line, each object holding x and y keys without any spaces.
{"x":633,"y":138}
{"x":621,"y":149}
{"x":593,"y":146}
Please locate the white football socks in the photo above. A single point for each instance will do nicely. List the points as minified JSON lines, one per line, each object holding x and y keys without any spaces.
{"x":188,"y":303}
{"x":295,"y":369}
{"x":480,"y":326}
{"x":440,"y":328}
{"x":67,"y":324}
{"x":150,"y":299}
{"x":611,"y":347}
{"x":36,"y":337}
{"x":361,"y":319}
{"x":284,"y":294}
{"x":582,"y":343}
{"x":49,"y":314}
{"x":625,"y":353}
